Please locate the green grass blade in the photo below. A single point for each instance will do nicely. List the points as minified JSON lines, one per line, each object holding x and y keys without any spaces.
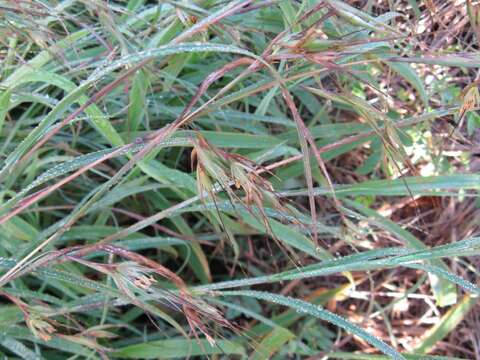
{"x":321,"y":313}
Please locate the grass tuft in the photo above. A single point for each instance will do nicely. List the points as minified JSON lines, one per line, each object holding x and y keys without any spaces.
{"x":239,"y":179}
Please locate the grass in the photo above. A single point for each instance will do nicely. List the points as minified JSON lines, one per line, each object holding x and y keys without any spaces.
{"x":239,"y":179}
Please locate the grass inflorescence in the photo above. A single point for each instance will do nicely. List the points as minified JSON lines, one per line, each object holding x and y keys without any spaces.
{"x":239,"y":179}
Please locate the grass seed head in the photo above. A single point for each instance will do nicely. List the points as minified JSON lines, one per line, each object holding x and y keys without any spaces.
{"x":470,"y":99}
{"x":137,"y":276}
{"x":40,"y":326}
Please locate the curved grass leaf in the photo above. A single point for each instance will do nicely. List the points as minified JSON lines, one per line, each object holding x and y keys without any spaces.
{"x":321,"y":313}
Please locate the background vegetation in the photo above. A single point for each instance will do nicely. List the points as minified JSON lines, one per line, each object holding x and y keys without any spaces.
{"x":239,"y":179}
